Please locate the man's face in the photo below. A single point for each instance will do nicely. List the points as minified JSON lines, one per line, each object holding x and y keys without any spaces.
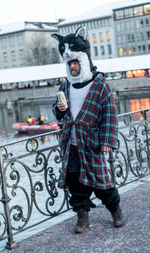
{"x":74,"y":68}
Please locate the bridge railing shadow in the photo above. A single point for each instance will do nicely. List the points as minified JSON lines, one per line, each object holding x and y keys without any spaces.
{"x":29,"y":171}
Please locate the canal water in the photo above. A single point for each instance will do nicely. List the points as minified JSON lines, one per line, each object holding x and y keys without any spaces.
{"x":8,"y":117}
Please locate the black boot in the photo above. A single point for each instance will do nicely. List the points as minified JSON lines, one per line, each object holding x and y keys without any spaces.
{"x":82,"y":222}
{"x":118,"y":218}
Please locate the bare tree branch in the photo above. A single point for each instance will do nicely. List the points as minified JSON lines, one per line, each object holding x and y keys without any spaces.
{"x":41,"y":52}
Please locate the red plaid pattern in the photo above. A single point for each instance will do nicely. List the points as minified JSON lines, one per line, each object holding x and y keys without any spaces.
{"x":96,"y":125}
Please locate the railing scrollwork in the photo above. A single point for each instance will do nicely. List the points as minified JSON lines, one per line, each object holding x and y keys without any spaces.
{"x":29,"y":171}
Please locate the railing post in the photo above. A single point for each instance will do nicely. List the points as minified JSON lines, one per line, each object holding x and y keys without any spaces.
{"x":111,"y":161}
{"x":147,"y":130}
{"x":5,"y":200}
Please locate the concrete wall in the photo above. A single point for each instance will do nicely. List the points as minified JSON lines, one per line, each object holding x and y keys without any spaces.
{"x":121,"y":84}
{"x":28,"y":93}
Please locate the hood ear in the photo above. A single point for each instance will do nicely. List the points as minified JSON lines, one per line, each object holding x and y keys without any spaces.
{"x":57,"y":36}
{"x":81,"y":31}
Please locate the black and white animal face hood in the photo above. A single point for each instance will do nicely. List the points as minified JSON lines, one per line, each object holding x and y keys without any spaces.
{"x":75,"y":46}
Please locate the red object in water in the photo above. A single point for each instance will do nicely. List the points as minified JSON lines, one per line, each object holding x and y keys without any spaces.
{"x":24,"y":128}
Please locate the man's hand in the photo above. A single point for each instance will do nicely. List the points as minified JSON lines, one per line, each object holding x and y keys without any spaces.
{"x":106,"y":149}
{"x":61,"y":107}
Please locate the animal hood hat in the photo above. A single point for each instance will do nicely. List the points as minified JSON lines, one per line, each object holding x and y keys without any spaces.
{"x":76,"y":47}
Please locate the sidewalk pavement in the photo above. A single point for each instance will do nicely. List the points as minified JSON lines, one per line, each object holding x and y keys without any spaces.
{"x":101,"y":237}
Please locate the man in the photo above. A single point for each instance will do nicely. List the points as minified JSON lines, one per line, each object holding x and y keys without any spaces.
{"x":90,"y":128}
{"x":40,"y":120}
{"x":30,"y":120}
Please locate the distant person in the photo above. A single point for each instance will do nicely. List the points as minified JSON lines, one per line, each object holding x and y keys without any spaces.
{"x":40,"y":120}
{"x":30,"y":120}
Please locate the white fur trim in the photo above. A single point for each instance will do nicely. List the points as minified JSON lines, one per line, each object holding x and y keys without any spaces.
{"x":85,"y":71}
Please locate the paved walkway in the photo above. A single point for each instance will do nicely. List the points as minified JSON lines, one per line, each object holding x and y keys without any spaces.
{"x":101,"y":237}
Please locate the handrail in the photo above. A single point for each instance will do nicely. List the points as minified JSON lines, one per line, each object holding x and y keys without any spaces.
{"x":29,"y":171}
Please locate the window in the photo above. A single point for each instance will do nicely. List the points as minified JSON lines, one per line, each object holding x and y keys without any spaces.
{"x":109,"y":49}
{"x":122,"y":26}
{"x":128,"y":25}
{"x":13,"y":55}
{"x":128,"y":12}
{"x":148,"y":35}
{"x":149,"y":47}
{"x":12,"y":40}
{"x":105,"y":22}
{"x":102,"y":23}
{"x":131,"y":37}
{"x":94,"y":38}
{"x":21,"y":52}
{"x":5,"y":56}
{"x":102,"y":50}
{"x":119,"y":39}
{"x":144,"y":48}
{"x":4,"y":42}
{"x":134,"y":50}
{"x":96,"y":24}
{"x":130,"y":51}
{"x":147,"y":9}
{"x":107,"y":36}
{"x":20,"y":39}
{"x":109,"y":21}
{"x":120,"y":52}
{"x":123,"y":39}
{"x":147,"y":22}
{"x":132,"y":24}
{"x":87,"y":25}
{"x":124,"y":51}
{"x":99,"y":23}
{"x":95,"y":51}
{"x":119,"y":14}
{"x":118,"y":28}
{"x":140,"y":36}
{"x":101,"y":37}
{"x":141,"y":23}
{"x":138,"y":11}
{"x":137,"y":24}
{"x":92,"y":25}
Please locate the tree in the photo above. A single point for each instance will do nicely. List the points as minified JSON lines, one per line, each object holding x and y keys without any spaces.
{"x":40,"y":51}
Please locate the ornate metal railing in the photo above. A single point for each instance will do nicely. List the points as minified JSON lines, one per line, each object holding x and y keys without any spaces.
{"x":29,"y":170}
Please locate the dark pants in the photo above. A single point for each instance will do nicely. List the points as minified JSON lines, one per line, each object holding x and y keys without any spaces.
{"x":80,"y":194}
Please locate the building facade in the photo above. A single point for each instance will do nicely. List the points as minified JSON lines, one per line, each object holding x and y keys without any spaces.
{"x":28,"y":43}
{"x":132,"y":29}
{"x":100,"y":35}
{"x":115,"y":30}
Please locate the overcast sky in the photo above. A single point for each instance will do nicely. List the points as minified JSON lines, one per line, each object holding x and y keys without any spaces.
{"x":12,"y":11}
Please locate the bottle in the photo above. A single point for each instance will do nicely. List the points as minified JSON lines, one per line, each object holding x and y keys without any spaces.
{"x":62,"y":98}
